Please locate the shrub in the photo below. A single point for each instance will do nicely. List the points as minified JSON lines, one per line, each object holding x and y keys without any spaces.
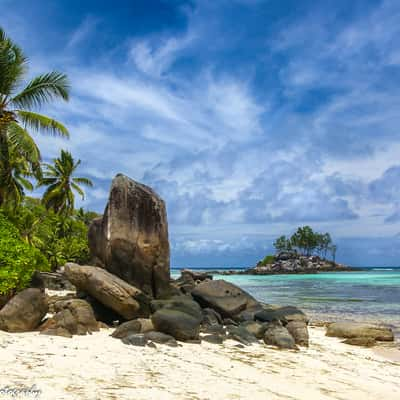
{"x":18,"y":260}
{"x":267,"y":260}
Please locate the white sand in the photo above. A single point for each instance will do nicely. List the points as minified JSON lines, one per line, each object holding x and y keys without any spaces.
{"x":100,"y":367}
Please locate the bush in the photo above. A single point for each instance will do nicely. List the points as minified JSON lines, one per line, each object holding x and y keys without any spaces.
{"x":59,"y":238}
{"x":267,"y":260}
{"x":18,"y":260}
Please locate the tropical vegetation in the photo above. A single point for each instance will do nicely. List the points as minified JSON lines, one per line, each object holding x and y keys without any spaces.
{"x":35,"y":234}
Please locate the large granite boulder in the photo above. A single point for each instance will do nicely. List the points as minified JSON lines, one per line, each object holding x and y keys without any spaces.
{"x":179,"y":317}
{"x":73,"y":317}
{"x":350,"y":330}
{"x":224,"y":297}
{"x":108,"y":289}
{"x":24,"y":311}
{"x":131,"y":239}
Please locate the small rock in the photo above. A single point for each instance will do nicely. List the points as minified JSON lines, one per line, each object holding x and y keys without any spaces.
{"x":215,"y":339}
{"x":135,"y":339}
{"x":161,"y":338}
{"x":255,"y":328}
{"x":241,"y":334}
{"x":279,"y":336}
{"x":299,"y":331}
{"x":140,"y":325}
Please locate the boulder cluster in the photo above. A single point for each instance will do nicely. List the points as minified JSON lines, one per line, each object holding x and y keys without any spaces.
{"x":129,"y":286}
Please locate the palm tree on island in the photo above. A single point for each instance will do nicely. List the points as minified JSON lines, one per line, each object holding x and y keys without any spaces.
{"x":61,"y":184}
{"x":18,"y":118}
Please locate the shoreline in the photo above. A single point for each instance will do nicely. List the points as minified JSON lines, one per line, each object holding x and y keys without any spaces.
{"x":98,"y":366}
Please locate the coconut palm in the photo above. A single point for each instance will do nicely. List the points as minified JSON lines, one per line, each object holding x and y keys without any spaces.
{"x":18,"y":117}
{"x":61,"y":184}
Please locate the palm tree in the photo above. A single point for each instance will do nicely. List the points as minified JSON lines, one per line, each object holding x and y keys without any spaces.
{"x":61,"y":183}
{"x":17,"y":116}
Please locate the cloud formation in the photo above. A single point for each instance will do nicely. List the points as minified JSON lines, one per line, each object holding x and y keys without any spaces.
{"x":248,"y":119}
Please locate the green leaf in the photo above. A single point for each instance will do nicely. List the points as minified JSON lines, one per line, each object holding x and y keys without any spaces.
{"x":43,"y":89}
{"x":42,"y":124}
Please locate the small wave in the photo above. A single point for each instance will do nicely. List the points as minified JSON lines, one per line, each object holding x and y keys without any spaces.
{"x":335,"y":299}
{"x":382,"y":269}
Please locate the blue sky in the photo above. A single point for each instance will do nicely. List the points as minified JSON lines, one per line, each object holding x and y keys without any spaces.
{"x":249,"y":117}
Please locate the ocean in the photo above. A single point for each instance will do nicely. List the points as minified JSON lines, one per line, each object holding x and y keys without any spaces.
{"x":371,"y":295}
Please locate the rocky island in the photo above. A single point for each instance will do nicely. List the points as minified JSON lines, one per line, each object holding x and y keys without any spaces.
{"x":289,"y":263}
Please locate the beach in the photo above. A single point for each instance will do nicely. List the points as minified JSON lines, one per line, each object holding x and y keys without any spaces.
{"x":99,"y":366}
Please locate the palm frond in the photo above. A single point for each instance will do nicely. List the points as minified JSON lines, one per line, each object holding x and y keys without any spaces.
{"x":79,"y":190}
{"x":43,"y":89}
{"x":20,"y":140}
{"x":83,"y":181}
{"x":42,"y":124}
{"x":12,"y":66}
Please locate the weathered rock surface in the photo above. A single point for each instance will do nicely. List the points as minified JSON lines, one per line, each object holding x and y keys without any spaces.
{"x":113,"y":292}
{"x":52,"y":280}
{"x":24,"y":311}
{"x":361,"y":341}
{"x":279,"y":336}
{"x":140,"y":325}
{"x":135,"y":339}
{"x":224,"y":297}
{"x":257,"y":329}
{"x":350,"y":330}
{"x":73,"y":316}
{"x":179,"y":317}
{"x":210,"y":318}
{"x":283,"y":314}
{"x":101,"y":312}
{"x":241,"y":334}
{"x":299,"y":331}
{"x":131,"y":239}
{"x":214,"y":338}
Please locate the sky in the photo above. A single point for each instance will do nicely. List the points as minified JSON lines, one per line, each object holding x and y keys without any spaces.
{"x":249,"y":117}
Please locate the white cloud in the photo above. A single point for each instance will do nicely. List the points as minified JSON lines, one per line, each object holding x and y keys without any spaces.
{"x":83,"y":31}
{"x":155,"y":57}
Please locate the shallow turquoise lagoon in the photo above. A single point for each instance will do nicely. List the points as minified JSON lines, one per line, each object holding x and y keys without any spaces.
{"x":372,"y":295}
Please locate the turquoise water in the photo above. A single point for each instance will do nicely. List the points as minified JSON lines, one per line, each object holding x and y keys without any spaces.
{"x":372,"y":295}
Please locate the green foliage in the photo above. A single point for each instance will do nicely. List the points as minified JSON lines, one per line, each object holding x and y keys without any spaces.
{"x":18,"y":260}
{"x":61,"y":184}
{"x":59,"y":238}
{"x":269,"y":259}
{"x":307,"y":242}
{"x":33,"y":237}
{"x":283,"y":244}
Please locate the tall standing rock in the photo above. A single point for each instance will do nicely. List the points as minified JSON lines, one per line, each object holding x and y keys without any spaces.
{"x":131,"y":239}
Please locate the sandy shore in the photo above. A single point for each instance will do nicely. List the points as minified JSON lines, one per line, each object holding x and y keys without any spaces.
{"x":100,"y":367}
